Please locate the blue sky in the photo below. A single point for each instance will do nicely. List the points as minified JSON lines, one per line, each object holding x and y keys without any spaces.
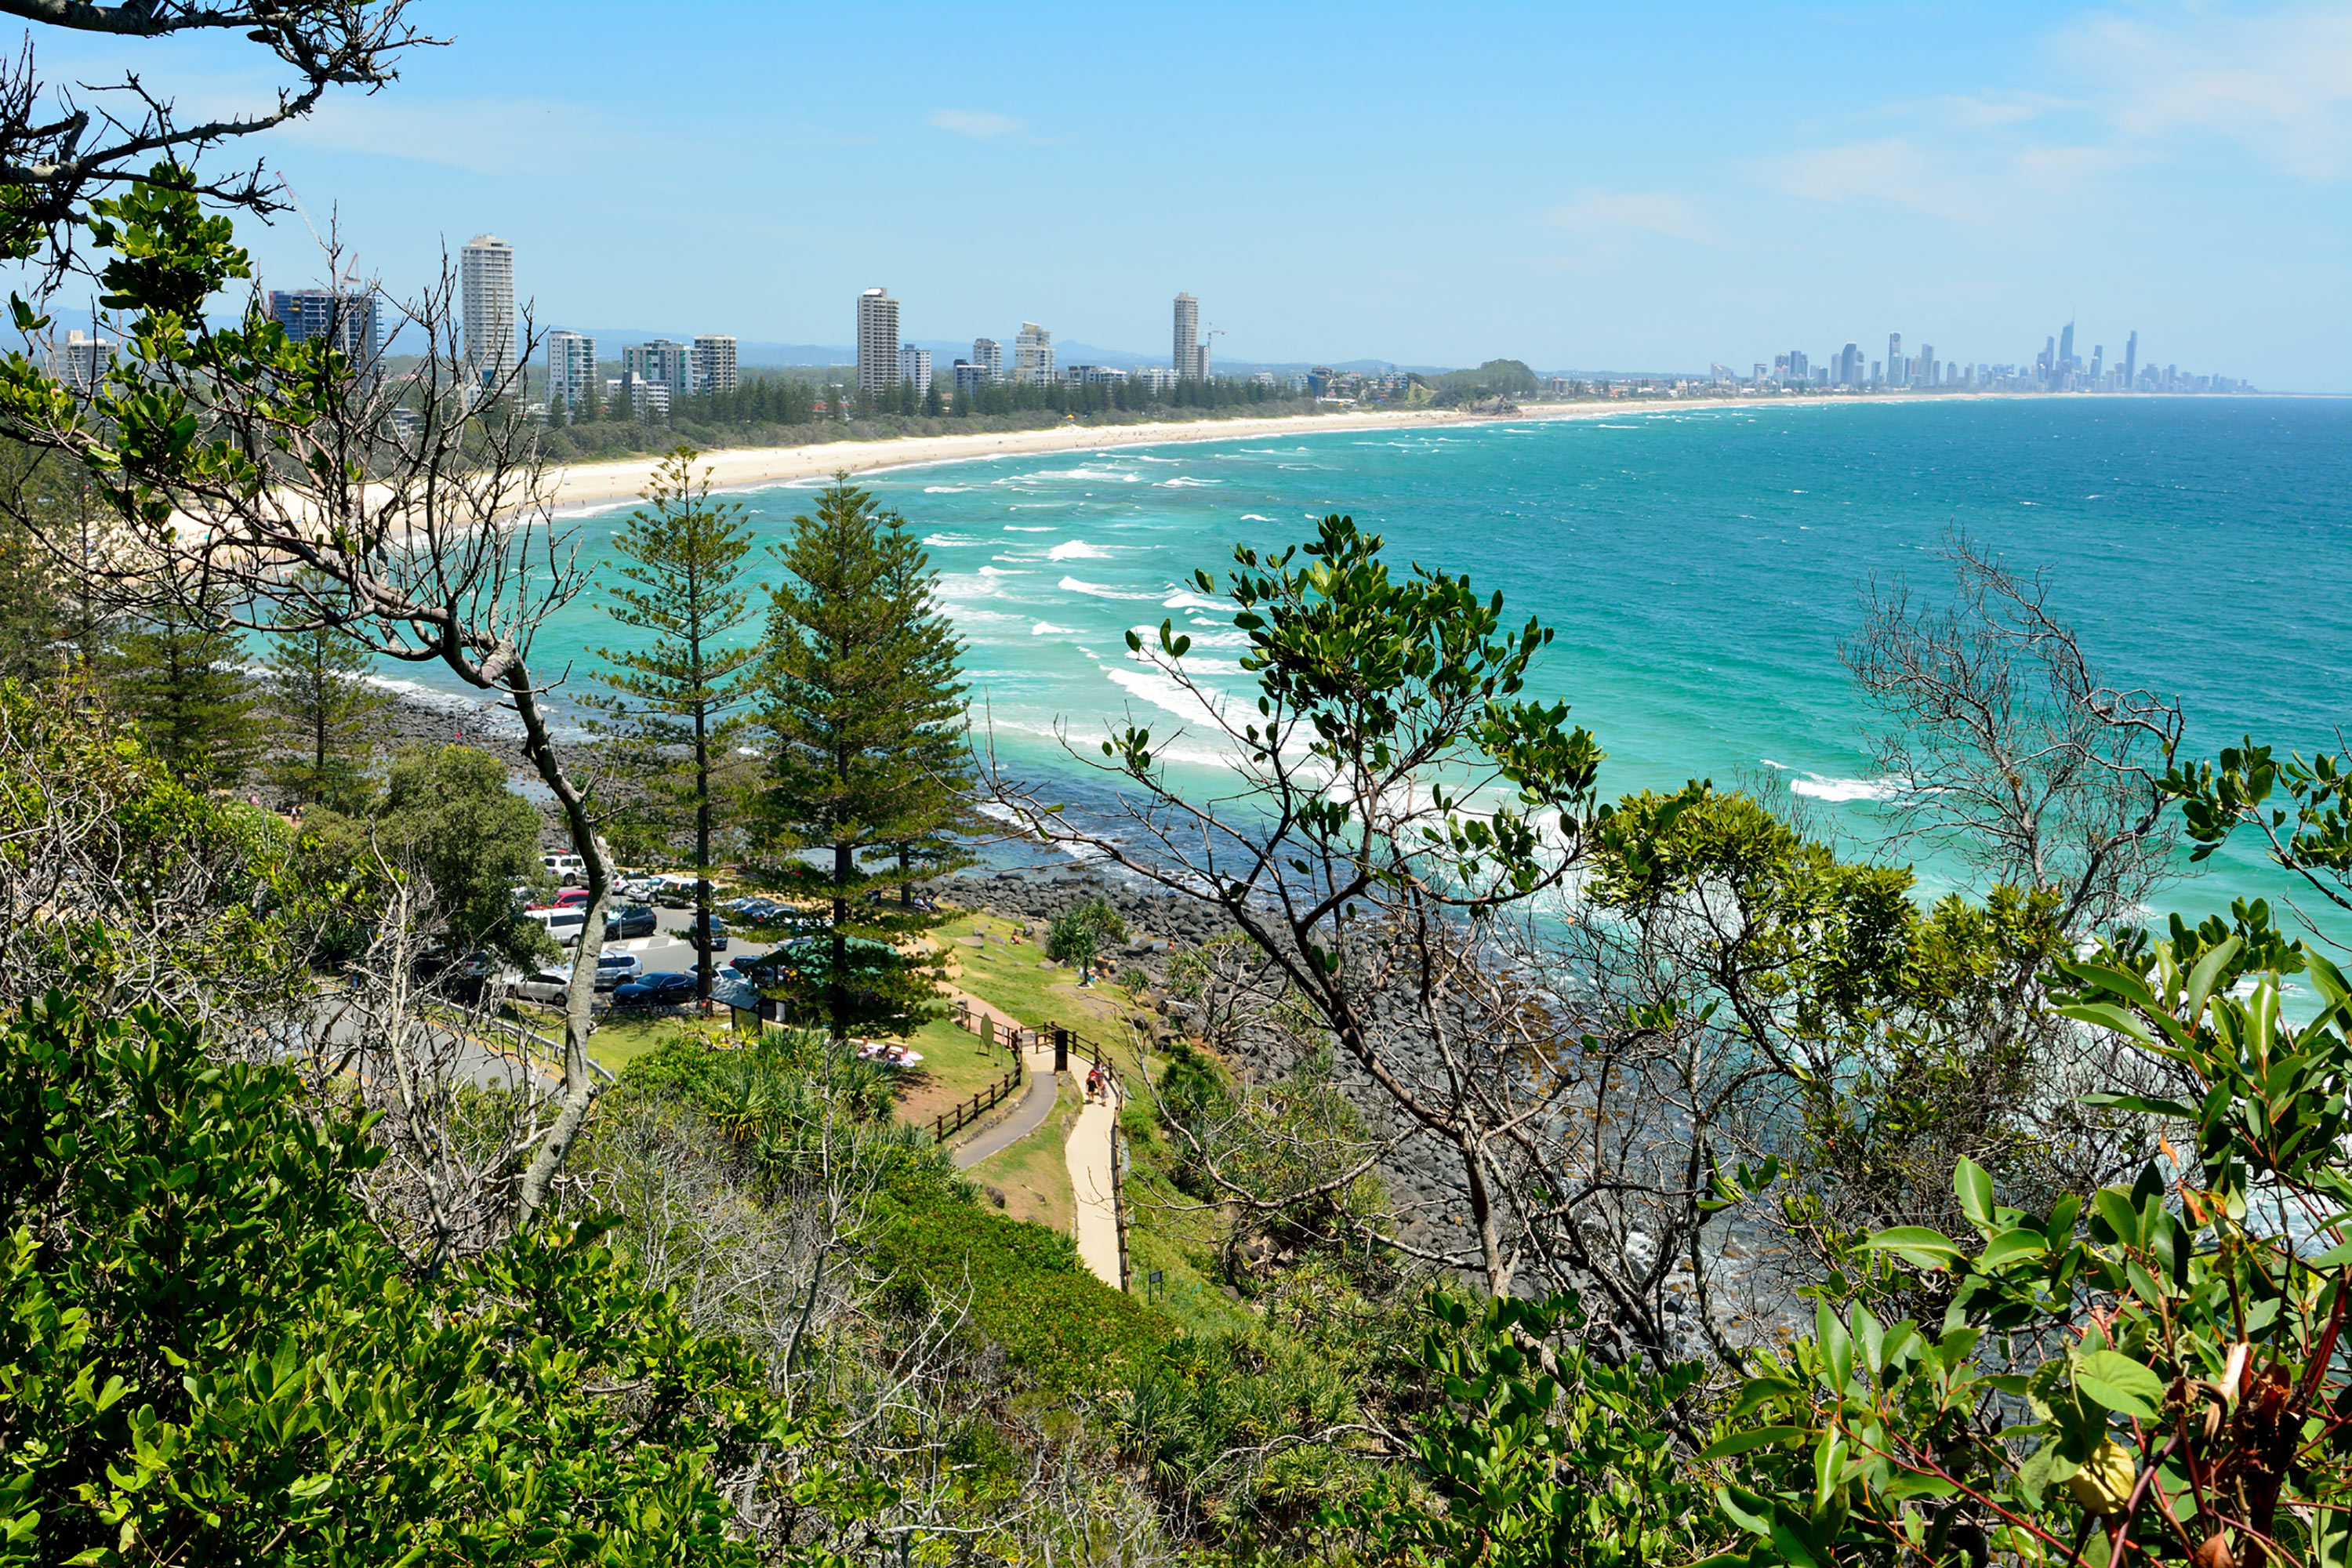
{"x":1578,"y":185}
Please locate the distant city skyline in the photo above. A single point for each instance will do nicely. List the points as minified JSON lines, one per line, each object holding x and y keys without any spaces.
{"x":1570,"y":184}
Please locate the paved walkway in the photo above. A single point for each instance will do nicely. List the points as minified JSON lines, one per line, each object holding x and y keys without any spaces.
{"x":1089,"y":1154}
{"x":1037,"y":1089}
{"x":1088,"y":1151}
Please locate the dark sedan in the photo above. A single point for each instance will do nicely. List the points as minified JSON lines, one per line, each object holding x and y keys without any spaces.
{"x":665,"y":988}
{"x":636,"y":919}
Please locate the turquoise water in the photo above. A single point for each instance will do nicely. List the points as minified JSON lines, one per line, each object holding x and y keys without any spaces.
{"x":1699,"y":567}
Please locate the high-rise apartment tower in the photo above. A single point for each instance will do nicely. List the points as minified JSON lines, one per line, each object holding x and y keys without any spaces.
{"x":1895,"y":372}
{"x":712,"y":365}
{"x":1189,"y":356}
{"x":2131,"y":362}
{"x":988,"y":358}
{"x":486,"y":281}
{"x":571,"y":370}
{"x":877,"y":341}
{"x":915,"y":365}
{"x":661,"y":363}
{"x":1032,"y":354}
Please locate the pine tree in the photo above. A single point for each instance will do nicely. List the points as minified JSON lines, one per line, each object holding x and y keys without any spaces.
{"x":671,"y":716}
{"x":864,"y":711}
{"x":317,"y":683}
{"x":178,"y":672}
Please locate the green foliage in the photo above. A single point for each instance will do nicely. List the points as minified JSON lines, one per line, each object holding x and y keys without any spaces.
{"x":2171,"y":1372}
{"x":1540,"y":1454}
{"x":1495,"y":378}
{"x":862,"y":708}
{"x":671,"y":715}
{"x":211,"y":1355}
{"x":2302,"y":807}
{"x":317,"y":682}
{"x":445,"y":813}
{"x":1078,"y":933}
{"x":1027,"y":1291}
{"x":177,"y":669}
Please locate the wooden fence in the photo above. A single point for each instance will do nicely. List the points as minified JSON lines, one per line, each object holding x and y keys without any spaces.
{"x":947,"y":1123}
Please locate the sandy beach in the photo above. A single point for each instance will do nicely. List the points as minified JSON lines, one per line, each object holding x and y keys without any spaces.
{"x":585,"y":486}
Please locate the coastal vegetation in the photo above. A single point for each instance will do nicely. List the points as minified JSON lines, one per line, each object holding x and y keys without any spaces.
{"x":1522,"y":1173}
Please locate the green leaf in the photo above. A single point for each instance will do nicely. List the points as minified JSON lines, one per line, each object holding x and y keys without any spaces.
{"x":1974,"y":1189}
{"x":2201,"y":979}
{"x":2009,"y":1246}
{"x":1916,"y":1244}
{"x":1837,"y":1345}
{"x":2119,"y":1384}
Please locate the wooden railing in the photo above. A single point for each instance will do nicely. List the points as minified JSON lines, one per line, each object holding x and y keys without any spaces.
{"x":947,"y":1123}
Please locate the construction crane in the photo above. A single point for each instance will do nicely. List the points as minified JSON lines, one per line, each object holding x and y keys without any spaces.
{"x":350,"y":278}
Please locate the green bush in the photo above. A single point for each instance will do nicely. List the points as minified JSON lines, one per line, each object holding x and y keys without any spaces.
{"x":1029,"y":1293}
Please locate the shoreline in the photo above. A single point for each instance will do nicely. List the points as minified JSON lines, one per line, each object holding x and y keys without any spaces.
{"x":582,"y":488}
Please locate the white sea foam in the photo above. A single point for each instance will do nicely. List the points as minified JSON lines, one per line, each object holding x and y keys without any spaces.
{"x":1183,"y":482}
{"x":947,"y":490}
{"x":1838,"y":790}
{"x":1031,"y":528}
{"x":1088,"y":475}
{"x":1183,"y":601}
{"x":1076,"y":550}
{"x":1048,"y":629}
{"x":1074,"y":585}
{"x":1256,"y":517}
{"x":951,"y":541}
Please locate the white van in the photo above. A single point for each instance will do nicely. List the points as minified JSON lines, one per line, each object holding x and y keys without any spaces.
{"x":563,"y":925}
{"x":569,"y":870}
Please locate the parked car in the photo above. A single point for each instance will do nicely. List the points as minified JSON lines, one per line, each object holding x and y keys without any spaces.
{"x":569,"y":899}
{"x":563,"y":925}
{"x":758,"y":968}
{"x":759,"y":911}
{"x":718,"y":936}
{"x":635,"y":919}
{"x":614,"y":969}
{"x":662,"y":988}
{"x":548,"y":985}
{"x":570,"y":871}
{"x":639,"y":889}
{"x":674,"y":894}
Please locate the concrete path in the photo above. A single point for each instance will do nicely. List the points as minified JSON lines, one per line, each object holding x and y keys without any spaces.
{"x":1036,"y":1102}
{"x":1089,"y":1154}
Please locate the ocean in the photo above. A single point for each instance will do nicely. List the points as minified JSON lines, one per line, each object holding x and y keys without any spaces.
{"x":1700,"y":568}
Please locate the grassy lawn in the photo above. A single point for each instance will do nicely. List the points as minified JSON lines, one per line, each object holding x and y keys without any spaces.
{"x":1035,"y":1174}
{"x":1016,"y":977}
{"x":956,"y":1066}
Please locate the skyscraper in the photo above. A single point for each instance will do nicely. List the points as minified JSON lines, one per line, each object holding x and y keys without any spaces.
{"x":988,"y":358}
{"x":661,"y":363}
{"x":1927,"y":372}
{"x":2131,"y":362}
{"x":80,"y":361}
{"x":877,"y":341}
{"x":485,"y":279}
{"x":570,"y":369}
{"x":1894,"y":372}
{"x":1033,"y":355}
{"x":713,"y":363}
{"x":2098,"y":353}
{"x":351,"y":316}
{"x":1189,"y":356}
{"x":2066,"y":349}
{"x":1849,"y":365}
{"x":915,"y":365}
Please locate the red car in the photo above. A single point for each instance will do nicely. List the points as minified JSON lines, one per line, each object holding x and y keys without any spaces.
{"x":569,"y":899}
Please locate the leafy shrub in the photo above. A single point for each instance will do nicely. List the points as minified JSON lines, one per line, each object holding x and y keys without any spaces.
{"x":1029,"y":1293}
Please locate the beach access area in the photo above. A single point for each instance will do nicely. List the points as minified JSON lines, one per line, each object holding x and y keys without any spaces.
{"x":586,"y":486}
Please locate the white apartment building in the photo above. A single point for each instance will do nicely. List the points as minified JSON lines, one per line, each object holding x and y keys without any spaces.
{"x":660,"y":362}
{"x":1083,"y":374}
{"x":1033,"y":355}
{"x":988,"y":358}
{"x":970,"y":377}
{"x":80,"y":361}
{"x":877,"y":341}
{"x":486,"y":281}
{"x":713,"y":367}
{"x":1156,"y":378}
{"x":915,"y":365}
{"x":570,"y":369}
{"x":1186,"y":355}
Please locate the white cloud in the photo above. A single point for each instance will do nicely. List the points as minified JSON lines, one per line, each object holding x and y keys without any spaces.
{"x":2279,"y":85}
{"x":978,"y":124}
{"x":1893,"y":172}
{"x":1638,"y":211}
